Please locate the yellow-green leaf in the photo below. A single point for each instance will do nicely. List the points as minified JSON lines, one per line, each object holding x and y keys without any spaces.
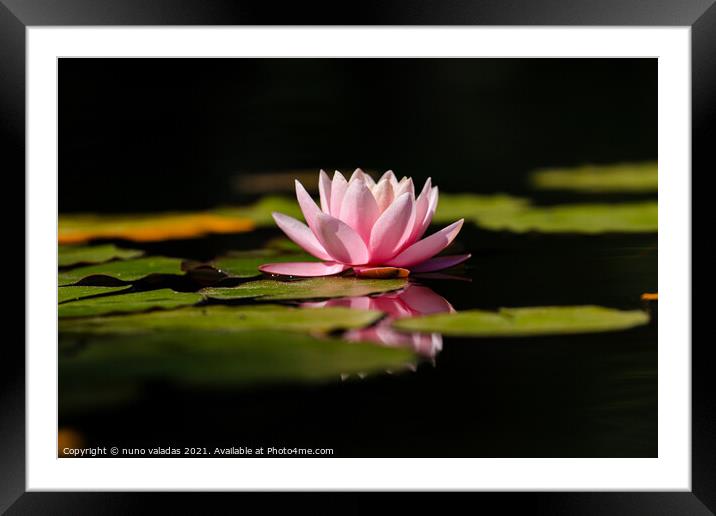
{"x":126,"y":303}
{"x":124,"y":270}
{"x":312,"y":288}
{"x":228,"y":318}
{"x":622,"y":177}
{"x":65,"y":294}
{"x":520,"y":322}
{"x":74,"y":254}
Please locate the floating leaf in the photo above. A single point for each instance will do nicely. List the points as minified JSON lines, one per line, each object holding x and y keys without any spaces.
{"x":97,"y":369}
{"x":312,"y":288}
{"x":637,"y":217}
{"x":147,"y":227}
{"x":65,"y":294}
{"x":229,"y":318}
{"x":519,"y":322}
{"x":452,"y":207}
{"x":244,"y":264}
{"x":622,"y":177}
{"x":130,"y":302}
{"x":73,"y":255}
{"x":260,"y":212}
{"x":124,"y":270}
{"x":283,"y":244}
{"x":504,"y":213}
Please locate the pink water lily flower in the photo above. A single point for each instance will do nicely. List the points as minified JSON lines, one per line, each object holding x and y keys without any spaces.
{"x":367,"y":226}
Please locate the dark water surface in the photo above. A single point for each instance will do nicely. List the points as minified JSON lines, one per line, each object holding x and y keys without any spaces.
{"x":591,"y":395}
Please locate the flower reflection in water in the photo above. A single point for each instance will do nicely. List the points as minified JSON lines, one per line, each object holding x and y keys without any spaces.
{"x":411,"y":301}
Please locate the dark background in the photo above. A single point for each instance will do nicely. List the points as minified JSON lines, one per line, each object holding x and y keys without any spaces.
{"x":159,"y":134}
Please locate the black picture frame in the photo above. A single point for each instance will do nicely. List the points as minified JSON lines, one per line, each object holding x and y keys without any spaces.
{"x":700,"y":15}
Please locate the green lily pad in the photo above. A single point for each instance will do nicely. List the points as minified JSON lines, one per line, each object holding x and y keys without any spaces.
{"x":124,"y":270}
{"x":98,"y":369}
{"x":229,"y":318}
{"x":283,"y":244}
{"x":74,"y":254}
{"x":260,"y":212}
{"x":635,"y":217}
{"x":312,"y":288}
{"x":244,"y":264}
{"x":505,"y":213}
{"x":126,"y":303}
{"x":65,"y":294}
{"x":520,"y":322}
{"x":622,"y":177}
{"x":452,"y":207}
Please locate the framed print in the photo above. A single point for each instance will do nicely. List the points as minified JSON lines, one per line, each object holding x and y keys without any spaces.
{"x":438,"y":249}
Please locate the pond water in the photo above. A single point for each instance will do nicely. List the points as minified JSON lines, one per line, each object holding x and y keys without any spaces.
{"x":576,"y":395}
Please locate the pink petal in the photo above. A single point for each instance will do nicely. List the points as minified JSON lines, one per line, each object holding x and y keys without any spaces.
{"x":316,"y":304}
{"x":439,"y":263}
{"x":424,"y":301}
{"x":427,"y":344}
{"x":420,"y":226}
{"x":389,"y":229}
{"x":367,"y":179}
{"x":357,"y":303}
{"x":425,"y":248}
{"x":394,"y":307}
{"x":390,"y":176}
{"x":340,"y":241}
{"x":383,"y":193}
{"x":359,"y":209}
{"x":324,"y":189}
{"x":405,"y":240}
{"x":308,"y":206}
{"x":359,"y":175}
{"x":405,"y":185}
{"x":338,"y":190}
{"x":422,"y":203}
{"x":301,"y":235}
{"x":304,"y":269}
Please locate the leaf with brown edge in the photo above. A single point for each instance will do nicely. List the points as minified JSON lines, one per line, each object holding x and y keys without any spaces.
{"x":75,"y":229}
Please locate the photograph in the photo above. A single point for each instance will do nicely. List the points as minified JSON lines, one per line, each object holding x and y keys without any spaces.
{"x":357,"y":257}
